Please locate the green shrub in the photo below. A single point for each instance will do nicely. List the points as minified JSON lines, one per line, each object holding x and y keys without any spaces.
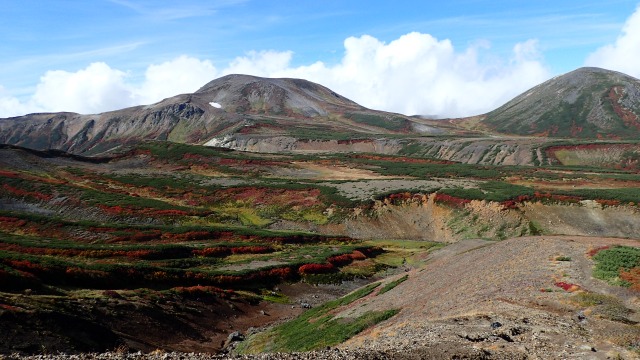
{"x":392,"y":284}
{"x":610,"y":261}
{"x":316,"y":328}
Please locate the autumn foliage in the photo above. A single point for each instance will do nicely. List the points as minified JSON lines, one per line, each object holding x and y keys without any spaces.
{"x":632,"y":277}
{"x":316,"y":269}
{"x":567,"y":286}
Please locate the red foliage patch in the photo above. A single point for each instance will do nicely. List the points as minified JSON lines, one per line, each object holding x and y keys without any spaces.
{"x":280,"y":273}
{"x":154,"y":212}
{"x":269,"y":196}
{"x":593,"y":252}
{"x":605,"y":202}
{"x":632,"y":276}
{"x":513,"y":203}
{"x":567,"y":286}
{"x":9,"y":308}
{"x":252,"y":250}
{"x":201,"y":291}
{"x":9,"y":174}
{"x":316,"y":268}
{"x":346,"y":259}
{"x":555,"y":197}
{"x":7,"y":221}
{"x":116,"y":210}
{"x":191,"y":235}
{"x":220,"y":251}
{"x":24,"y":193}
{"x":451,"y":200}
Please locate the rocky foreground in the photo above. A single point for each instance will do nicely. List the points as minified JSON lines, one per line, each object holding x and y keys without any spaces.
{"x":331,"y":354}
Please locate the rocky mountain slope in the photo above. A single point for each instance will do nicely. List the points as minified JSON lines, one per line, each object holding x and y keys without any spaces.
{"x":585,"y":103}
{"x":228,"y":105}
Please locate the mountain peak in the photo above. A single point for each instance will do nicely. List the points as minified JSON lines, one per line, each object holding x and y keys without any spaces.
{"x":588,"y":102}
{"x":276,"y":96}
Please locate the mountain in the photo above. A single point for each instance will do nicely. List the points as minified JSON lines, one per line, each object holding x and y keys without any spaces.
{"x":585,"y":103}
{"x":228,"y":105}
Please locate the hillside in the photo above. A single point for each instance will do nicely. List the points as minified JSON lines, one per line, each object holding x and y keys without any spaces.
{"x":524,"y":298}
{"x":205,"y":241}
{"x":309,"y":221}
{"x":234,"y":104}
{"x":585,"y":103}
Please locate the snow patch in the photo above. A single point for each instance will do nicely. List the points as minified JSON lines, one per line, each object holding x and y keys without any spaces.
{"x":215,"y":105}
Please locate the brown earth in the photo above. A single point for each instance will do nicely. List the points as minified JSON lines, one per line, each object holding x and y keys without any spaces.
{"x":502,"y":298}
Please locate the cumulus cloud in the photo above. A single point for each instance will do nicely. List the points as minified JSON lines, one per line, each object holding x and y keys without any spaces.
{"x":414,"y":74}
{"x":89,"y":90}
{"x":417,"y":74}
{"x":10,"y":105}
{"x":183,"y":74}
{"x":266,"y":63}
{"x":99,"y":88}
{"x":624,"y":53}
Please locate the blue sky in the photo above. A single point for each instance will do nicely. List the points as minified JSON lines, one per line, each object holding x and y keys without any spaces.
{"x":98,"y":55}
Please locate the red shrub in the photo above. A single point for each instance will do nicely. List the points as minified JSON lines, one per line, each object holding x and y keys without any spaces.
{"x":154,"y":212}
{"x":632,"y":276}
{"x":451,"y":200}
{"x":196,"y":291}
{"x":26,"y":265}
{"x":340,"y":260}
{"x":358,"y":255}
{"x":9,"y":174}
{"x":605,"y":202}
{"x":567,"y":286}
{"x":84,"y":274}
{"x":281,"y":273}
{"x":9,"y":308}
{"x":20,"y":192}
{"x":316,"y":268}
{"x":220,"y":251}
{"x":593,"y":252}
{"x":252,"y":250}
{"x":115,"y":210}
{"x":191,"y":235}
{"x":555,"y":197}
{"x":140,"y":254}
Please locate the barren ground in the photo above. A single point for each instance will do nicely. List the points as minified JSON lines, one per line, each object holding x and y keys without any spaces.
{"x":468,"y":286}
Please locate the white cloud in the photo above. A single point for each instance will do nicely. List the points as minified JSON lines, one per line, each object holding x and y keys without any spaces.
{"x":265,"y":63}
{"x":622,"y":55}
{"x":414,"y":74}
{"x":10,"y":105}
{"x":90,"y":90}
{"x":99,"y":88}
{"x":183,"y":74}
{"x":417,"y":74}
